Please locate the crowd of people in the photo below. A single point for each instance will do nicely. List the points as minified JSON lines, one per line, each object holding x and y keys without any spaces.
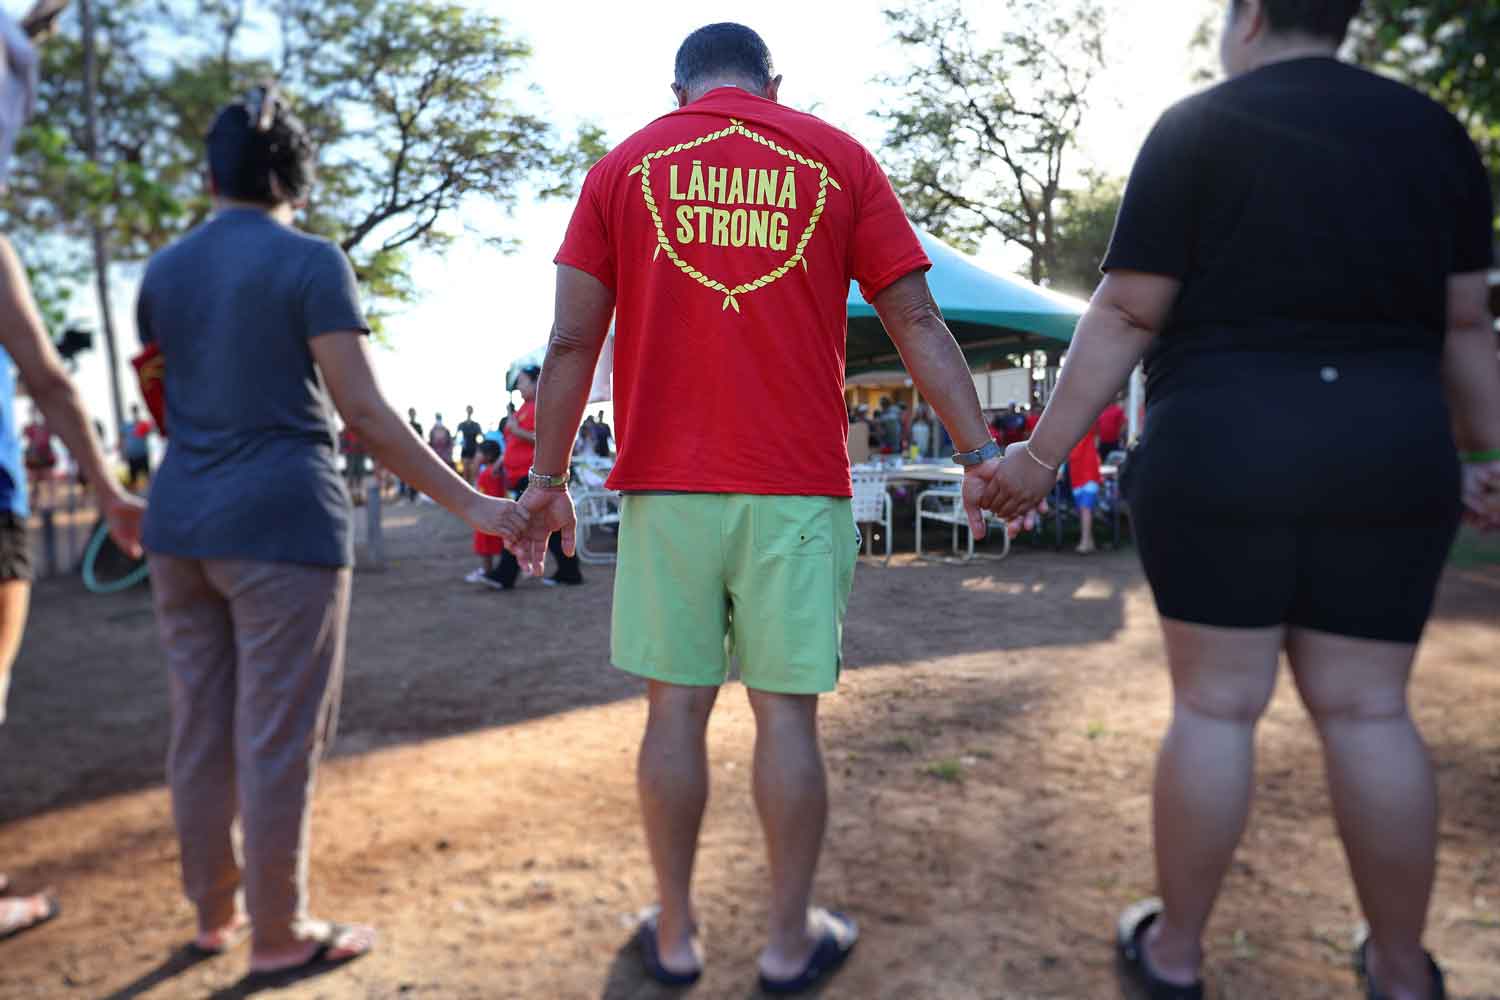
{"x":746,"y":554}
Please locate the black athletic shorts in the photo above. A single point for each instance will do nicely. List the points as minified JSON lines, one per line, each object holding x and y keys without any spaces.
{"x":1320,"y":492}
{"x":140,"y":468}
{"x":15,"y":548}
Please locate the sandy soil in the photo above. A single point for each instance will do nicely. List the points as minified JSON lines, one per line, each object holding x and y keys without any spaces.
{"x":990,"y":753}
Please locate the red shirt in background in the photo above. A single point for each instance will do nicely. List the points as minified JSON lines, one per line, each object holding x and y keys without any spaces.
{"x":491,"y":481}
{"x":1112,"y":423}
{"x":519,"y":453}
{"x":729,"y":231}
{"x":1083,"y":460}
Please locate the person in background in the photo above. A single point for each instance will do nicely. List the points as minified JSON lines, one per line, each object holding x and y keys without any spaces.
{"x":41,"y":457}
{"x":249,"y":534}
{"x":469,"y":435}
{"x":24,"y":343}
{"x":921,"y":431}
{"x":890,"y":426}
{"x":354,"y":463}
{"x":583,"y":444}
{"x":441,"y":440}
{"x":490,"y":480}
{"x":1085,"y":479}
{"x":520,"y":449}
{"x":604,"y":437}
{"x":135,"y":448}
{"x":733,"y":543}
{"x":1288,"y":272}
{"x":406,"y":489}
{"x":1112,"y":425}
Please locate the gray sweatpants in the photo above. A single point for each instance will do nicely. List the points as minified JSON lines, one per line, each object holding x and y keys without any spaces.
{"x":255,"y":655}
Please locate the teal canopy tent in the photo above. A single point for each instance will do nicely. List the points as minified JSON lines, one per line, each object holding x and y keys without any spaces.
{"x":990,"y":313}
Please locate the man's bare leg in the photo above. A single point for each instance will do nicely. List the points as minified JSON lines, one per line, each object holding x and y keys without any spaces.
{"x":791,"y":796}
{"x":672,"y":780}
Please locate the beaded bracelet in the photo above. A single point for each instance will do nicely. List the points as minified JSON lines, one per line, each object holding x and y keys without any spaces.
{"x":1475,"y":457}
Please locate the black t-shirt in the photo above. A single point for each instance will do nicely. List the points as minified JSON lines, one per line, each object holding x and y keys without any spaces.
{"x":1307,"y":206}
{"x":470,"y":432}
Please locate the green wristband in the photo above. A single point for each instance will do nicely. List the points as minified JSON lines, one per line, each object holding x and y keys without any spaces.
{"x":1472,"y":457}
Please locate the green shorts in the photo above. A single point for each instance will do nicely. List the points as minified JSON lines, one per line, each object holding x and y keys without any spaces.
{"x":704,"y":578}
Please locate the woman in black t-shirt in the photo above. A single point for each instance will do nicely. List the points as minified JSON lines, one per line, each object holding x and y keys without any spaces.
{"x":1301,"y":252}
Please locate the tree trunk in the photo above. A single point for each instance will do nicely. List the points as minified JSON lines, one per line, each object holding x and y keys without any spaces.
{"x":100,"y":240}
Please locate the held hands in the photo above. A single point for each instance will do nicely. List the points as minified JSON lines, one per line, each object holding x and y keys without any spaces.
{"x":1019,"y":485}
{"x":548,"y":511}
{"x":1481,"y":495}
{"x":496,"y":516}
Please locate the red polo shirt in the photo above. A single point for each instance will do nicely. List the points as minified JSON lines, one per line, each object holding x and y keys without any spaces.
{"x":519,"y":454}
{"x":729,"y":231}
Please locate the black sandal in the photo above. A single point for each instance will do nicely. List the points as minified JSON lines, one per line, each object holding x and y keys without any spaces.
{"x":830,"y":953}
{"x":646,"y":939}
{"x":318,"y":961}
{"x":1130,"y":944}
{"x":1362,"y":969}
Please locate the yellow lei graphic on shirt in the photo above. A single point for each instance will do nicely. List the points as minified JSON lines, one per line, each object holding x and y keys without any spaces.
{"x":760,"y":224}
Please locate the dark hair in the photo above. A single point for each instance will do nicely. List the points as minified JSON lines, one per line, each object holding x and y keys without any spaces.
{"x":255,"y":139}
{"x":724,"y":49}
{"x":1318,"y":18}
{"x":489,"y":450}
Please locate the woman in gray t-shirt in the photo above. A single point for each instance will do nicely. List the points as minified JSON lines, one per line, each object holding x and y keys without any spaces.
{"x":248,"y":533}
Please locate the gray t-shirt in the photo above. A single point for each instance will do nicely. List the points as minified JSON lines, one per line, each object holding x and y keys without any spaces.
{"x":250,"y":470}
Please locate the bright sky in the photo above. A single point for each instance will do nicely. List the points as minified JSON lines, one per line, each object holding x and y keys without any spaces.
{"x":481,"y":308}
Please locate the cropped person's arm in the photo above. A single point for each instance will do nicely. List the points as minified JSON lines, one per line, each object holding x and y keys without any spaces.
{"x":343,"y":359}
{"x":1124,"y":316}
{"x":25,"y":339}
{"x":1471,"y":367}
{"x":1471,"y":375}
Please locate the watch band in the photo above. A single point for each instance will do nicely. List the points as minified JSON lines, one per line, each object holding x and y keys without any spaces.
{"x":979,"y":455}
{"x":545,"y":482}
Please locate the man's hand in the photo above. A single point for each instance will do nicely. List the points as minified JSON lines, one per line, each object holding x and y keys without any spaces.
{"x":1481,"y":494}
{"x":977,"y":482}
{"x":123,"y":513}
{"x":549,"y":510}
{"x":1019,"y":485}
{"x":496,"y":516}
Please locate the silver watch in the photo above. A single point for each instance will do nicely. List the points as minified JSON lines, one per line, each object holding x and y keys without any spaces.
{"x":544,"y":482}
{"x":979,"y":455}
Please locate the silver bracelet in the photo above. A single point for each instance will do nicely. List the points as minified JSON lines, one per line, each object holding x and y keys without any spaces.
{"x":1038,"y":461}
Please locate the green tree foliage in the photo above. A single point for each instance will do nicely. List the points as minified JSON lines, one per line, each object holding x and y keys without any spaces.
{"x":413,"y":105}
{"x":1085,"y":222}
{"x":1448,"y":48}
{"x":980,"y":132}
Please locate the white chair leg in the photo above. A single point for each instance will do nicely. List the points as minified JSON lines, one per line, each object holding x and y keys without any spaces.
{"x":890,"y":523}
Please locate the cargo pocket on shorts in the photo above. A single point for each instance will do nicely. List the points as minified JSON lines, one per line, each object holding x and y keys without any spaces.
{"x":793,"y":526}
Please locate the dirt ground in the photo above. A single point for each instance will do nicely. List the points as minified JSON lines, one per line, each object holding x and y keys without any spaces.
{"x":990,"y":752}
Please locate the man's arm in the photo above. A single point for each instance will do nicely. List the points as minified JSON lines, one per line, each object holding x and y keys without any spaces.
{"x":25,"y":338}
{"x":580,"y":325}
{"x":344,"y":361}
{"x":937,"y":366}
{"x":1471,"y":375}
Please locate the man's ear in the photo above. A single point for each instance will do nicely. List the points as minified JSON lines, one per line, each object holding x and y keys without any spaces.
{"x":773,"y":89}
{"x":680,"y":93}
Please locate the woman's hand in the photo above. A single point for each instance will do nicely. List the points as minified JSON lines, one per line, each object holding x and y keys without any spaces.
{"x":1481,"y":494}
{"x":1019,"y":485}
{"x":496,"y":516}
{"x":123,"y":512}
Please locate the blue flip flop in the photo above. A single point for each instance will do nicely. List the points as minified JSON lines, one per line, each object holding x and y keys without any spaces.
{"x":830,"y":953}
{"x":1130,"y":943}
{"x":651,"y":957}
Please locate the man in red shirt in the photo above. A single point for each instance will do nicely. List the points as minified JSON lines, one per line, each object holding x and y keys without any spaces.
{"x":723,"y":238}
{"x":1112,"y":424}
{"x":520,"y":446}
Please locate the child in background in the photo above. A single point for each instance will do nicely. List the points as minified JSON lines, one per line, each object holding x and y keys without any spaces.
{"x":491,"y":482}
{"x":1085,"y":477}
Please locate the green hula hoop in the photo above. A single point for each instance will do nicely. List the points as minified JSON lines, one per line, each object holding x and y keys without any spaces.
{"x":91,"y":556}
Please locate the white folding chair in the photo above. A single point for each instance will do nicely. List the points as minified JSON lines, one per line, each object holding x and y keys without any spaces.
{"x":872,"y":505}
{"x":945,"y":506}
{"x":595,"y":508}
